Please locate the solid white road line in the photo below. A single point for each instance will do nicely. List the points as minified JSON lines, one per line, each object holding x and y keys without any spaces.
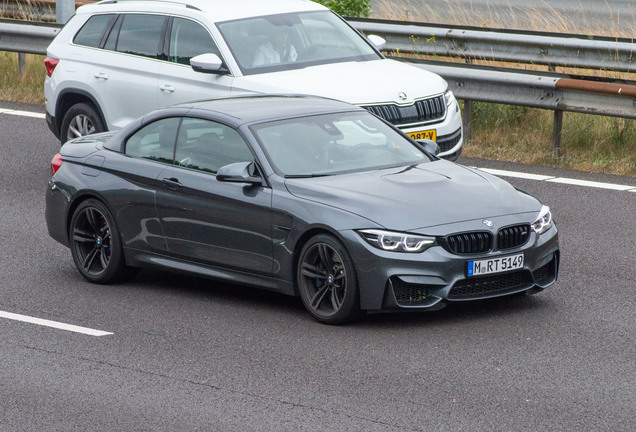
{"x":521,"y":175}
{"x":22,"y":113}
{"x":54,"y":324}
{"x":586,"y":183}
{"x":25,"y":114}
{"x":562,"y":180}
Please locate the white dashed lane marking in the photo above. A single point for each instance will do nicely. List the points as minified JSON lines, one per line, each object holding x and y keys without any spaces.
{"x":53,"y":324}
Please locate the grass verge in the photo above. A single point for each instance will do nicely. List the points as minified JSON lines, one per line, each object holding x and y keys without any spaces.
{"x":522,"y":134}
{"x":27,"y":87}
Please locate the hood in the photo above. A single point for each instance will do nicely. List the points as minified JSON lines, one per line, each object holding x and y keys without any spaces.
{"x":360,"y":83}
{"x":417,"y":197}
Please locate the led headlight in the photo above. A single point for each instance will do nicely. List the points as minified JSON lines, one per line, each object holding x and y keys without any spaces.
{"x":449,"y":97}
{"x":395,"y":241}
{"x":543,"y":222}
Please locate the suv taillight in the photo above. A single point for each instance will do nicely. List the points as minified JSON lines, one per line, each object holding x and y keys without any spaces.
{"x":56,"y":163}
{"x":50,"y":64}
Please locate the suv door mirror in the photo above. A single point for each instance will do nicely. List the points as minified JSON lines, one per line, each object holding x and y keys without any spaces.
{"x":377,"y":41}
{"x":208,"y":63}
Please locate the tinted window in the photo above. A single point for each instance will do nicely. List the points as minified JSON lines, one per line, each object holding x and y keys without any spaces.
{"x":293,"y":41}
{"x":111,"y":40}
{"x":189,"y":39}
{"x":334,"y":143}
{"x":207,"y":146}
{"x":140,"y":35}
{"x":91,"y":33}
{"x":155,"y":141}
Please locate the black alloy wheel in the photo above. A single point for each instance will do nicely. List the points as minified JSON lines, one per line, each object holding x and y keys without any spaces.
{"x":327,"y":281}
{"x":95,"y":243}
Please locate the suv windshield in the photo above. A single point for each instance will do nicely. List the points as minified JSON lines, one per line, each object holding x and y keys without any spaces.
{"x":335,"y":143}
{"x":293,"y":41}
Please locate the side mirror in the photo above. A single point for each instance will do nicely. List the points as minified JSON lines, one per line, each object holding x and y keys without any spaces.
{"x":430,"y":146}
{"x":208,"y":63}
{"x":377,"y":41}
{"x":239,"y":172}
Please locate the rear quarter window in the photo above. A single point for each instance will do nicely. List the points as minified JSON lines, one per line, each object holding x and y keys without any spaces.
{"x":93,"y":30}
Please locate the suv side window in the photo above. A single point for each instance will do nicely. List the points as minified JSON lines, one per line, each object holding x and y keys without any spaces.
{"x":155,"y":141}
{"x":138,"y":34}
{"x":189,"y":39}
{"x":93,"y":30}
{"x":205,"y":145}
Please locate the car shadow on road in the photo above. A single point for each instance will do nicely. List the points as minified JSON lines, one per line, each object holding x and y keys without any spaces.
{"x":253,"y":298}
{"x":462,"y":312}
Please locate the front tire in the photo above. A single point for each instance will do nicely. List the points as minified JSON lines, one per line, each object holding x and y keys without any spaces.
{"x":80,"y":120}
{"x":327,"y":281}
{"x":95,"y":244}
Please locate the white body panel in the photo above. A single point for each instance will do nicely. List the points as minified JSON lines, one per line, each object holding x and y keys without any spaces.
{"x":126,"y":86}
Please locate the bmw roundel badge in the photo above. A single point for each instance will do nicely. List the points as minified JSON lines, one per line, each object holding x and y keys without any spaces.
{"x":488,"y":223}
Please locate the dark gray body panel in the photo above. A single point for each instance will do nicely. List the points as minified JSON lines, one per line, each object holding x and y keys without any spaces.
{"x":252,"y":233}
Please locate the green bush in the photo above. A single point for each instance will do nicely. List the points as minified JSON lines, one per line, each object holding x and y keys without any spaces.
{"x":348,"y":8}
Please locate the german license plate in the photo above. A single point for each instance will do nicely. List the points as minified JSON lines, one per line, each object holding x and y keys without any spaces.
{"x":495,"y":265}
{"x":425,"y":134}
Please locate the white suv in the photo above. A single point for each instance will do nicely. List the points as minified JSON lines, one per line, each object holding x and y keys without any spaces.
{"x":115,"y":61}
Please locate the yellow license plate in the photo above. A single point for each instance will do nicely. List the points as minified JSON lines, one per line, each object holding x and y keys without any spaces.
{"x":425,"y":134}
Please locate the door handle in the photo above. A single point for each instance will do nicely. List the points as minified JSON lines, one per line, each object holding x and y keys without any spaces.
{"x":101,"y":76}
{"x":171,"y":183}
{"x":166,"y":88}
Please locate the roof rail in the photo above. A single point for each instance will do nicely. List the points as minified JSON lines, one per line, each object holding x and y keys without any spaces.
{"x":187,"y":5}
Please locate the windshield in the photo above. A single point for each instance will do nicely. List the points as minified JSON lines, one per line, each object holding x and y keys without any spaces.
{"x":292,"y":41}
{"x":335,"y":143}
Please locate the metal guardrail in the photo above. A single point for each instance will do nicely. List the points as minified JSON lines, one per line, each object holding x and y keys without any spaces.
{"x":557,"y":92}
{"x":26,"y":37}
{"x":551,"y":91}
{"x":471,"y":43}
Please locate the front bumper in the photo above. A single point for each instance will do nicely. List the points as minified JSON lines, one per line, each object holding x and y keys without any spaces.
{"x":449,"y":132}
{"x":431,"y":279}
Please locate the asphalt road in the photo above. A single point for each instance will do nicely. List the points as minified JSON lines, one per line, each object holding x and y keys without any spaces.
{"x":610,"y":16}
{"x":189,"y":354}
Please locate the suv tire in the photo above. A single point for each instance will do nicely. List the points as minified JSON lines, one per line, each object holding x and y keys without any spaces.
{"x":81,"y":119}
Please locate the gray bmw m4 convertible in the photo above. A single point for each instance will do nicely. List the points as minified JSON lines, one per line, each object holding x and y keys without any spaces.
{"x":300,"y":195}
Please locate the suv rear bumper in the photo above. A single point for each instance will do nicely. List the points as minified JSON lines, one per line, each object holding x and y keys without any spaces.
{"x":52,"y":124}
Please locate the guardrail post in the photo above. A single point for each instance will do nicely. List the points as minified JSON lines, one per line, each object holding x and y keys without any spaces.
{"x":556,"y":133}
{"x":468,"y":119}
{"x":64,"y":10}
{"x":21,"y":63}
{"x":468,"y":113}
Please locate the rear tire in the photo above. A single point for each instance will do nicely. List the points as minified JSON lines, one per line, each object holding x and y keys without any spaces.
{"x":96,"y":245}
{"x":80,"y":120}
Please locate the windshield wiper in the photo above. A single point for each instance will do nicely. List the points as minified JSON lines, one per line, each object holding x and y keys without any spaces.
{"x":294,"y":176}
